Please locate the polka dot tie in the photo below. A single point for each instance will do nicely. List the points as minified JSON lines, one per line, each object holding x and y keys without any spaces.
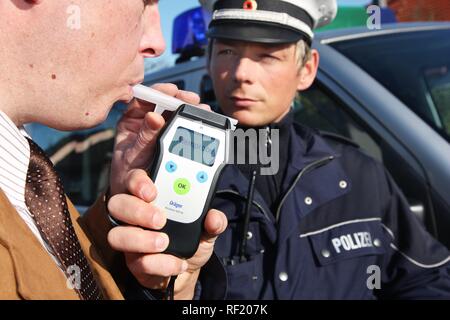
{"x":45,"y":198}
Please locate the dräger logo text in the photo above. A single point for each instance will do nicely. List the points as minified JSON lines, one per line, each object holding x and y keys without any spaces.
{"x":175,"y":204}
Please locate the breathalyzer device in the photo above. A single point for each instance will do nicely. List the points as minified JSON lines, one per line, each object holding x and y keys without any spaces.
{"x":192,"y":149}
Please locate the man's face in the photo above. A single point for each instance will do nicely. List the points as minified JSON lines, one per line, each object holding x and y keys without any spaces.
{"x":254,"y":83}
{"x":74,"y":59}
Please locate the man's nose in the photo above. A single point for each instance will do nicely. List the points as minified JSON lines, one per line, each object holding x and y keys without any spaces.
{"x":244,"y":70}
{"x":152,"y":42}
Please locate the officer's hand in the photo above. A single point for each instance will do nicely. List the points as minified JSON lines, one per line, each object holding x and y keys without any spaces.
{"x":132,"y":192}
{"x":143,"y":248}
{"x":137,"y":132}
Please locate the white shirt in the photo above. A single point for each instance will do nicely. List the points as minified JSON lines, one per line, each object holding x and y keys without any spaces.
{"x":14,"y":160}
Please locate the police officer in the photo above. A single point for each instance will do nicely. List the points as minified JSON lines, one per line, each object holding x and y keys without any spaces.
{"x":330,"y":223}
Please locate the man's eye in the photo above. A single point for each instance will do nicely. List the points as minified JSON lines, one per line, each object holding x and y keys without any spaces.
{"x":268,"y":56}
{"x":225,"y":52}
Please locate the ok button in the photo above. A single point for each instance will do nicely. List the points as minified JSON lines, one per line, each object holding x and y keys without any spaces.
{"x":181,"y":186}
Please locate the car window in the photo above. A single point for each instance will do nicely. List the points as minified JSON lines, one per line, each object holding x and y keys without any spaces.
{"x":414,"y":66}
{"x":316,"y":108}
{"x":321,"y":109}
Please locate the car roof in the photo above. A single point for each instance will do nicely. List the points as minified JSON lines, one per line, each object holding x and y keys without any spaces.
{"x":331,"y":36}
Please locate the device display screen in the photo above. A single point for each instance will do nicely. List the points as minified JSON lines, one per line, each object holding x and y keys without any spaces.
{"x":194,"y":146}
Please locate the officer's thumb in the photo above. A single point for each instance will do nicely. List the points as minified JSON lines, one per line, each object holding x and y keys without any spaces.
{"x":215,"y":223}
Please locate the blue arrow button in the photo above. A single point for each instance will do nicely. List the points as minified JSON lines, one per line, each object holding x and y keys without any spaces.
{"x":171,"y":166}
{"x":202,"y":177}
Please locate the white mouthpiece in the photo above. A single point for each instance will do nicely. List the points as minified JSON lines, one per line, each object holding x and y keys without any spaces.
{"x":162,"y":101}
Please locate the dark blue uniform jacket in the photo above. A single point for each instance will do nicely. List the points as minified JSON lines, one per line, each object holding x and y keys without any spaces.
{"x":343,"y":230}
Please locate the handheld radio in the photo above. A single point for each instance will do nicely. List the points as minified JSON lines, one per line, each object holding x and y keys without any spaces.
{"x":191,"y":151}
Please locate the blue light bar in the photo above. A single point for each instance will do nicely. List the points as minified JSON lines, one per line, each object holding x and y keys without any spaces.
{"x":388,"y":16}
{"x":189,"y":30}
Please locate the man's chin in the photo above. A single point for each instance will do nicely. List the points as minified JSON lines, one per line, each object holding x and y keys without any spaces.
{"x":247,"y":118}
{"x":92,"y":120}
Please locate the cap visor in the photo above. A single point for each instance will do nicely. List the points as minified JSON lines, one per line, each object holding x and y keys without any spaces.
{"x":254,"y":32}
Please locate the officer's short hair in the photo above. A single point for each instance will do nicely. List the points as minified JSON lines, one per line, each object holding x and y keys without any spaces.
{"x":303,"y":53}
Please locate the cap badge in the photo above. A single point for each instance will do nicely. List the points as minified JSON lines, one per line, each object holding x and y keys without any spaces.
{"x":250,"y":5}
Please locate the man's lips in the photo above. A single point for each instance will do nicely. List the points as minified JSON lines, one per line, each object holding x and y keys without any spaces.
{"x":136,"y":82}
{"x":132,"y":84}
{"x":242,"y":102}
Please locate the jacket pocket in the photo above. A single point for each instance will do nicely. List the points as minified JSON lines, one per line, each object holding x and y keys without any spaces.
{"x":244,"y":279}
{"x":347,"y":240}
{"x":244,"y":274}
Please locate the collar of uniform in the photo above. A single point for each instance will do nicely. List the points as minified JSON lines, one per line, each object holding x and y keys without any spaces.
{"x":308,"y":148}
{"x":285,"y":123}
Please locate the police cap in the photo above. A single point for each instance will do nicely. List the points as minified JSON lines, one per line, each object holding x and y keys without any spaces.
{"x":270,"y":21}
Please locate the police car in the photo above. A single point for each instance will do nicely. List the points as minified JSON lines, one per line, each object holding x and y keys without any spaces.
{"x":387,"y":91}
{"x":382,"y":91}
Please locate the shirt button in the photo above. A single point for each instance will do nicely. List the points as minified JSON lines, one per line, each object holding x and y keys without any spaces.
{"x":325,"y":253}
{"x":343,"y":184}
{"x":283,"y":276}
{"x":377,"y":243}
{"x":308,"y":201}
{"x":249,"y":235}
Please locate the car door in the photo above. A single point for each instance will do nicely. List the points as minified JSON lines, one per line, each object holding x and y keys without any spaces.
{"x":345,"y":101}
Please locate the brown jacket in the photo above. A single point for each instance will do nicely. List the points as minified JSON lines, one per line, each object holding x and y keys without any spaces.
{"x":27,"y":271}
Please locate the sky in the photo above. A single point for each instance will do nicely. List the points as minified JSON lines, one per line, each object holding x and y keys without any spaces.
{"x":169,"y":9}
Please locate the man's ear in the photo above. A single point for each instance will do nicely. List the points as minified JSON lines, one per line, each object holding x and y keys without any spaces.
{"x":308,"y":73}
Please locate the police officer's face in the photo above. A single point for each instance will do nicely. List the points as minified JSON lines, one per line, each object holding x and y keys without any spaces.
{"x":254,"y":83}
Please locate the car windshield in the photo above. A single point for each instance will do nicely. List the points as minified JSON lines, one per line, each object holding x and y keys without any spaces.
{"x":414,"y":66}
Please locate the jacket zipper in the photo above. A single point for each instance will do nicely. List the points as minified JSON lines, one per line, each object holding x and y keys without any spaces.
{"x":306,"y":169}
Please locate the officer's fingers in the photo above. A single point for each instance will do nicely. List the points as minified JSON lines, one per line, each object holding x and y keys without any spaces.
{"x":153,"y":270}
{"x":144,"y":145}
{"x":133,"y":211}
{"x":139,"y":184}
{"x":167,"y":88}
{"x":172,"y":90}
{"x":136,"y":240}
{"x":188,"y":96}
{"x":204,"y":106}
{"x":215,"y":223}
